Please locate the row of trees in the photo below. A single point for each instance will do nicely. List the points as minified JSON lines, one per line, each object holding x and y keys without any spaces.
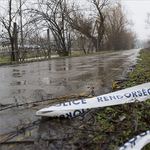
{"x":103,"y":27}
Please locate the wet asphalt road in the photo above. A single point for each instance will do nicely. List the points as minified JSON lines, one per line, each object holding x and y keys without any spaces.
{"x":31,"y":82}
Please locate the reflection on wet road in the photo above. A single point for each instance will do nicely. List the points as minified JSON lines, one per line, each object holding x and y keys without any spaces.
{"x":31,"y":82}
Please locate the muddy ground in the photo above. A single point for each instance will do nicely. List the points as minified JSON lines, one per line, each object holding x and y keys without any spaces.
{"x":21,"y":129}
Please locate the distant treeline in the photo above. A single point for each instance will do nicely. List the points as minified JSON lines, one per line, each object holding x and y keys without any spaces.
{"x":63,"y":26}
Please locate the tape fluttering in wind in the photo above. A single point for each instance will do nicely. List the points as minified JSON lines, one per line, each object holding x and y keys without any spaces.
{"x":73,"y":108}
{"x":138,"y":142}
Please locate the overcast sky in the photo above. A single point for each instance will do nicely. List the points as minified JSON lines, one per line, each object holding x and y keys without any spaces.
{"x":138,"y":10}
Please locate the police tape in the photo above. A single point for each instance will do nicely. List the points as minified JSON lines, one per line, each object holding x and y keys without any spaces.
{"x":138,"y":142}
{"x":73,"y":108}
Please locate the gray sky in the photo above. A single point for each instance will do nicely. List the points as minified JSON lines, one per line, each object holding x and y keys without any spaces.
{"x":138,"y":10}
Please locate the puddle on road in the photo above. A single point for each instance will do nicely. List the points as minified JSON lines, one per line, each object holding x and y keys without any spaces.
{"x":14,"y":83}
{"x":17,"y":74}
{"x":63,"y":65}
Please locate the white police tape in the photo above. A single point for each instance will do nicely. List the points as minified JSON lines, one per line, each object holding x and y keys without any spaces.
{"x":138,"y":142}
{"x":74,"y":108}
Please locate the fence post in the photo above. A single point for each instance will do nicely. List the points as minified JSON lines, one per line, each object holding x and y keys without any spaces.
{"x":48,"y":43}
{"x":16,"y":42}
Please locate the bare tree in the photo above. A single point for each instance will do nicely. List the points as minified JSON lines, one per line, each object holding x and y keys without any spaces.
{"x":118,"y":33}
{"x":8,"y":16}
{"x":7,"y":23}
{"x":93,"y":28}
{"x":52,"y":15}
{"x":100,"y":5}
{"x":147,"y":21}
{"x":82,"y":25}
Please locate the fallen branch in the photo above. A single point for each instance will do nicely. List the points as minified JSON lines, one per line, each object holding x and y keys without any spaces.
{"x":18,"y":142}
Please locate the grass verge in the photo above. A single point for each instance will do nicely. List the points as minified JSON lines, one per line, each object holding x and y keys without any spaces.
{"x":137,"y":115}
{"x":141,"y":73}
{"x":5,"y":59}
{"x":118,"y":124}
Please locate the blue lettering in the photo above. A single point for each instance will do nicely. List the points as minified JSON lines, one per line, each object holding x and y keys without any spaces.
{"x":65,"y":104}
{"x":76,"y":112}
{"x":69,"y":103}
{"x":124,"y":147}
{"x":112,"y":97}
{"x":144,"y":92}
{"x":77,"y":103}
{"x":139,"y":93}
{"x":106,"y":98}
{"x":83,"y":101}
{"x":134,"y":94}
{"x":83,"y":111}
{"x":127,"y":95}
{"x":69,"y":115}
{"x":99,"y":99}
{"x":132,"y":141}
{"x":143,"y":134}
{"x":119,"y":96}
{"x":148,"y":91}
{"x":58,"y":105}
